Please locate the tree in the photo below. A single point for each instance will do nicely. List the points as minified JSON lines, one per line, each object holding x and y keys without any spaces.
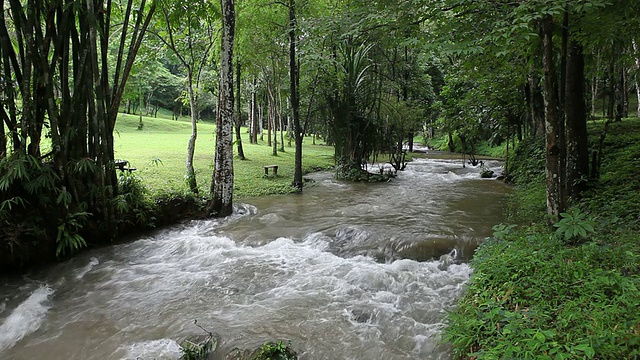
{"x":55,"y":66}
{"x":189,"y":33}
{"x":222,"y":179}
{"x":294,"y":80}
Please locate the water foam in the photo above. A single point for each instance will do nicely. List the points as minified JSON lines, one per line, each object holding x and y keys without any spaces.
{"x":152,"y":349}
{"x":92,"y":263}
{"x":26,"y":318}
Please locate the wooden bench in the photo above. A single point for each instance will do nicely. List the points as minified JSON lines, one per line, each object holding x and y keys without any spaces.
{"x":123,"y":165}
{"x":274,"y":167}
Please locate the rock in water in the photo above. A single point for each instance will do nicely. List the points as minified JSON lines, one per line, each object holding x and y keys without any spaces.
{"x":486,"y":174}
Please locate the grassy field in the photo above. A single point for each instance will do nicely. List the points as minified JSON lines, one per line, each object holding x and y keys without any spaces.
{"x":159,"y":151}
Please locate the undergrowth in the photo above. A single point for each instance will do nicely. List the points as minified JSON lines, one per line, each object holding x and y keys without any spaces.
{"x":567,"y":292}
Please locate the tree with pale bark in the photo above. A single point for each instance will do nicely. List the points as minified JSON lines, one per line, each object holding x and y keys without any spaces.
{"x":222,"y":178}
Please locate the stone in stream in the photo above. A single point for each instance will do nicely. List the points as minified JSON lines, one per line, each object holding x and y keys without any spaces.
{"x":486,"y":173}
{"x":361,"y":316}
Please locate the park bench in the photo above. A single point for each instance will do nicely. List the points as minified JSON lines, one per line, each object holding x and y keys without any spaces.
{"x":274,"y":167}
{"x":123,"y":165}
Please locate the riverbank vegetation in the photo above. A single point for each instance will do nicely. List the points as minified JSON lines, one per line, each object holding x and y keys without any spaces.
{"x":572,"y":291}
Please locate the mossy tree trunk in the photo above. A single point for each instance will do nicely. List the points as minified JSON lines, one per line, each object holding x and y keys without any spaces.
{"x":222,"y":181}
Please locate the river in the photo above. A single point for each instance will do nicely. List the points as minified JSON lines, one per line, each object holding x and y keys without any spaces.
{"x":345,"y":271}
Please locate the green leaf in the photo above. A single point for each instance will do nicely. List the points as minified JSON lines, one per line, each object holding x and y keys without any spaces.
{"x":588,"y":227}
{"x":582,"y":231}
{"x":587,"y":349}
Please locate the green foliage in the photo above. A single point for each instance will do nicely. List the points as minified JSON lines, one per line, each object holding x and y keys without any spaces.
{"x":527,"y":165}
{"x":199,"y":350}
{"x":275,"y":351}
{"x":356,"y":174}
{"x":620,"y":175}
{"x":527,"y":204}
{"x":133,"y":202}
{"x":574,"y":225}
{"x":493,"y":150}
{"x":69,"y":238}
{"x":500,"y":231}
{"x":441,"y":143}
{"x":532,"y":297}
{"x":571,"y":292}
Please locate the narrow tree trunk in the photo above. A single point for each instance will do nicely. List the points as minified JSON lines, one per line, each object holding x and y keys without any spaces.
{"x":281,"y":122}
{"x":637,"y":66}
{"x":289,"y":131}
{"x":554,"y":198}
{"x":594,"y":96}
{"x":612,"y":92}
{"x":274,"y":126}
{"x":638,"y":94}
{"x":190,"y":176}
{"x":222,"y":181}
{"x":3,"y":139}
{"x":577,"y":144}
{"x":254,"y":117}
{"x":270,"y":106}
{"x":238,"y":115}
{"x":251,"y":114}
{"x":261,"y":121}
{"x":623,"y":97}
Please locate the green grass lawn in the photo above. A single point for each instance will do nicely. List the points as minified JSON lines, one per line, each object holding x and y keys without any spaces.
{"x":159,"y":152}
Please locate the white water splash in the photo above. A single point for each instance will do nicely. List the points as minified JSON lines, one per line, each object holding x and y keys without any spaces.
{"x":153,"y":349}
{"x":26,"y":318}
{"x":92,"y":263}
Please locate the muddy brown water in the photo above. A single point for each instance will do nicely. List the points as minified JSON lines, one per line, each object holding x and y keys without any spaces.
{"x":346,"y":271}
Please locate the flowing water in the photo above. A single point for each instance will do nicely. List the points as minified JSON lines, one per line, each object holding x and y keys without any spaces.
{"x":346,"y":271}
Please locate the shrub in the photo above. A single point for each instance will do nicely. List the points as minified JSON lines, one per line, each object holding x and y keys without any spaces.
{"x":530,"y":296}
{"x":275,"y":351}
{"x":133,"y":202}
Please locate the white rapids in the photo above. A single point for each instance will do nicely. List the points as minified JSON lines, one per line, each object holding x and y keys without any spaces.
{"x":329,"y":270}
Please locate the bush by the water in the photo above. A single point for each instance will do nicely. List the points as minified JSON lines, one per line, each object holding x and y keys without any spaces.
{"x":567,"y":292}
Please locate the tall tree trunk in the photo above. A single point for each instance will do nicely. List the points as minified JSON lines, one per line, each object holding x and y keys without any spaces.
{"x":594,"y":89}
{"x":594,"y":96}
{"x":254,"y":113}
{"x":251,"y":114}
{"x":637,"y":68}
{"x":281,"y":122}
{"x":191,"y":145}
{"x":577,"y":144}
{"x":222,"y":181}
{"x":261,"y":121}
{"x":552,"y":119}
{"x":274,"y":126}
{"x":3,"y":139}
{"x":622,"y":108}
{"x":238,"y":114}
{"x":289,"y":131}
{"x":612,"y":91}
{"x":270,"y":106}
